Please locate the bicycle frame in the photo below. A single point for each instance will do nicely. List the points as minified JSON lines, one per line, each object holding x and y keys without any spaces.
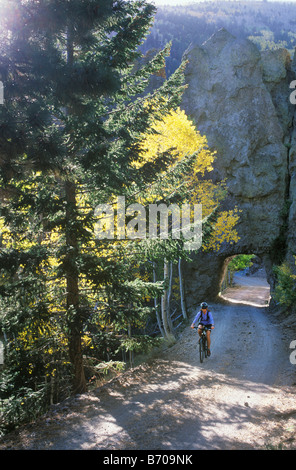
{"x":203,"y":343}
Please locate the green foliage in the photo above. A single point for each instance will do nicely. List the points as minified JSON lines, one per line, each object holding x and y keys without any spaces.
{"x":106,"y":367}
{"x":22,"y":405}
{"x":140,"y":343}
{"x":240,"y":262}
{"x":285,"y":291}
{"x":265,"y":41}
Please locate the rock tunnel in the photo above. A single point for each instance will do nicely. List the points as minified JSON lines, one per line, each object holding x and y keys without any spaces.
{"x":245,"y":281}
{"x":239,"y":98}
{"x":206,"y":274}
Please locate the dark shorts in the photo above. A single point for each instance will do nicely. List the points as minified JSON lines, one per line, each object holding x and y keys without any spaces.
{"x":205,"y":326}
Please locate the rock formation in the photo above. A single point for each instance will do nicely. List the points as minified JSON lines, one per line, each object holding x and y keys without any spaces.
{"x":239,"y":98}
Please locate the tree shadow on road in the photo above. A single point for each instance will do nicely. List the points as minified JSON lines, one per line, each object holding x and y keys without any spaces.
{"x":172,"y":407}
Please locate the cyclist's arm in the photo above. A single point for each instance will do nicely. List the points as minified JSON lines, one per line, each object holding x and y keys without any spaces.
{"x":197,"y":317}
{"x":211,"y":319}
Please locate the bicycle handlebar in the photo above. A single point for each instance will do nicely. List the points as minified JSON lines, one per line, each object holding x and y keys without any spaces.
{"x":204,"y":327}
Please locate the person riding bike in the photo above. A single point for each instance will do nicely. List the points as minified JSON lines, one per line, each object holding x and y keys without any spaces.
{"x":204,"y":318}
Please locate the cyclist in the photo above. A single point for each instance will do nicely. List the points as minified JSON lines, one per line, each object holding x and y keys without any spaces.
{"x":204,"y":318}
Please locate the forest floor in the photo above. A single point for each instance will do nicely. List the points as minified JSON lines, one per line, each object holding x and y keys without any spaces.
{"x":242,"y":397}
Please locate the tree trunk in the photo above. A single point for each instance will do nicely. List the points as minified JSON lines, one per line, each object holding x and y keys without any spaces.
{"x":169,"y":294}
{"x":164,"y":303}
{"x":156,"y":306}
{"x":75,"y":321}
{"x":182,"y":293}
{"x":75,"y":352}
{"x":131,"y":353}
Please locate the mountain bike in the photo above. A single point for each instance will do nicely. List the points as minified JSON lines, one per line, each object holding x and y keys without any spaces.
{"x":203,"y":343}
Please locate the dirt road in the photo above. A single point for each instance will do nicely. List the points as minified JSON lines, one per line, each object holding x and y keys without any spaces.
{"x":242,"y":397}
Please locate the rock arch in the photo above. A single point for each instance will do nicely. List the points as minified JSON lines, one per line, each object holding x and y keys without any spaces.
{"x":239,"y":98}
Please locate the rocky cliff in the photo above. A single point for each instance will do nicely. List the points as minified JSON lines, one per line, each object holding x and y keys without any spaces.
{"x":239,"y":98}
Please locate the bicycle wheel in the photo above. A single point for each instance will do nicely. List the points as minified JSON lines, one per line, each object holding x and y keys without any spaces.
{"x":201,"y":350}
{"x":205,"y":347}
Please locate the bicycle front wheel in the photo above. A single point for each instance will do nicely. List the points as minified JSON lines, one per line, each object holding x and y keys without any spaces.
{"x":205,"y":348}
{"x":201,"y":350}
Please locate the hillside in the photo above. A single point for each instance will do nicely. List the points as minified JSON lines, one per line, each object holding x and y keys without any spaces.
{"x":268,"y":24}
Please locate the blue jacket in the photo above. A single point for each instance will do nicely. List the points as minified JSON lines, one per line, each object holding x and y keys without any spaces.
{"x":202,"y":319}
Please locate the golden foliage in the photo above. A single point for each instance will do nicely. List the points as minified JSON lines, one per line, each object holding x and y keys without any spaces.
{"x":224,"y":230}
{"x":178,"y":133}
{"x":175,"y":133}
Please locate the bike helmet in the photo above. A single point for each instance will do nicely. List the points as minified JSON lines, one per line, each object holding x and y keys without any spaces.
{"x":204,"y":305}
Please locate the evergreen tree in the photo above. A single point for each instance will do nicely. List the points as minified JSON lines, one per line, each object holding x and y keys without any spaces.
{"x":70,"y":129}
